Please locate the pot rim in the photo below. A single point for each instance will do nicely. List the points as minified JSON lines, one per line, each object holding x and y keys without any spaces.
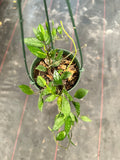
{"x":36,"y":60}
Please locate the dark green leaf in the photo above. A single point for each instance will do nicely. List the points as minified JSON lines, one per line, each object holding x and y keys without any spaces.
{"x":41,"y":81}
{"x":85,"y":118}
{"x":70,"y":140}
{"x":66,"y":75}
{"x":37,"y":52}
{"x":26,"y":89}
{"x":58,"y":123}
{"x":59,"y":29}
{"x":76,"y":119}
{"x":33,"y":42}
{"x":80,"y":93}
{"x":77,"y":107}
{"x":59,"y":102}
{"x":65,"y":107}
{"x":50,"y":98}
{"x":68,"y":123}
{"x":61,"y":135}
{"x":68,"y":95}
{"x":46,"y":23}
{"x":40,"y":102}
{"x":41,"y":68}
{"x":57,"y":78}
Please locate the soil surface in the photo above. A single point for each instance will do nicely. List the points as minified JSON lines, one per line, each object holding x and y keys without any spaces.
{"x":48,"y":75}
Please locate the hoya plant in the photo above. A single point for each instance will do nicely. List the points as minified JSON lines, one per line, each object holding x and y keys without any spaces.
{"x":53,"y":75}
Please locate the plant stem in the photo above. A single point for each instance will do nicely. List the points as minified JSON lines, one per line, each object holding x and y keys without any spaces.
{"x":85,"y":45}
{"x":72,"y":41}
{"x":49,"y":59}
{"x":62,"y":59}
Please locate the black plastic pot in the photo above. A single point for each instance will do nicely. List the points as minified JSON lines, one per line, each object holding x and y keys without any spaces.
{"x":65,"y":52}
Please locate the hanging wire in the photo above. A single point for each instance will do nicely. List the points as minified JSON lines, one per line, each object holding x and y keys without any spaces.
{"x":46,"y":11}
{"x":22,"y":37}
{"x":76,"y":35}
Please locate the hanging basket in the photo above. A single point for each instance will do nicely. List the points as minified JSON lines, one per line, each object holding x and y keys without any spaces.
{"x":65,"y":53}
{"x":62,"y":80}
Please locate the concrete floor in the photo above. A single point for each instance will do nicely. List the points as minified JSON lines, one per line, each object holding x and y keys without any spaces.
{"x":23,"y":128}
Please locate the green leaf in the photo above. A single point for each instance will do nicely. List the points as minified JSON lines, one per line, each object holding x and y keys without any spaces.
{"x":38,"y":35}
{"x":61,"y":136}
{"x":35,"y":31}
{"x":40,"y":102}
{"x":33,"y":42}
{"x":59,"y":102}
{"x":50,"y":98}
{"x":58,"y":123}
{"x":85,"y":118}
{"x":57,"y":78}
{"x":77,"y":107}
{"x":66,"y":75}
{"x":46,"y":38}
{"x":26,"y":89}
{"x":57,"y":59}
{"x":56,"y":63}
{"x":51,"y":87}
{"x":60,"y":70}
{"x":53,"y":54}
{"x":68,"y":95}
{"x":72,"y":116}
{"x":46,"y":23}
{"x":37,"y":52}
{"x":59,"y":56}
{"x":50,"y":84}
{"x":41,"y":81}
{"x":46,"y":91}
{"x":68,"y":123}
{"x":65,"y":107}
{"x":80,"y":93}
{"x":41,"y":29}
{"x":59,"y":29}
{"x":58,"y":116}
{"x":41,"y":68}
{"x":54,"y":32}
